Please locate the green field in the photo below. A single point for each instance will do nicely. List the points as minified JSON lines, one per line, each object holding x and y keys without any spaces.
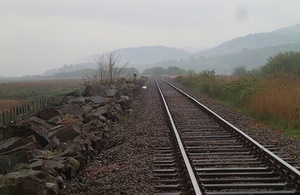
{"x":15,"y":94}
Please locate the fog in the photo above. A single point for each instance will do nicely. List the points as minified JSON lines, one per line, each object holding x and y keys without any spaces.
{"x":38,"y":35}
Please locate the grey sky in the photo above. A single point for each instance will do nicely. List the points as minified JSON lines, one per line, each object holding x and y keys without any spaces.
{"x":37,"y":35}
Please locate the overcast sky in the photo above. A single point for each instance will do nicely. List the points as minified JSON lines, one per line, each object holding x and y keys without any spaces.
{"x":37,"y":35}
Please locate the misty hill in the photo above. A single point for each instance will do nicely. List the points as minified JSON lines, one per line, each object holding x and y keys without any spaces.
{"x":224,"y":64}
{"x":74,"y":74}
{"x":251,"y":51}
{"x":70,"y":68}
{"x":138,"y":57}
{"x":145,"y":55}
{"x":255,"y":41}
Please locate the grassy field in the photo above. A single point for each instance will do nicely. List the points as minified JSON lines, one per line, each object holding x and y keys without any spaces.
{"x":278,"y":100}
{"x":18,"y":93}
{"x":272,"y":100}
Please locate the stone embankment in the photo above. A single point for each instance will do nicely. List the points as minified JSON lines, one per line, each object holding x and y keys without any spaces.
{"x":39,"y":152}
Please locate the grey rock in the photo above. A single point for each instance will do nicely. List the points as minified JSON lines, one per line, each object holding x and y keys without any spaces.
{"x":22,"y":131}
{"x":26,"y":181}
{"x":52,"y":188}
{"x":112,"y":92}
{"x":77,"y":101}
{"x":37,"y":165}
{"x":54,"y":142}
{"x":19,"y":143}
{"x":71,"y":109}
{"x":100,"y":101}
{"x":48,"y":113}
{"x":40,"y":122}
{"x":67,"y":133}
{"x":9,"y":160}
{"x":98,"y":90}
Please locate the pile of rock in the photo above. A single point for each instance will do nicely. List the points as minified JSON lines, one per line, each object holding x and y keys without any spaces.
{"x":40,"y":151}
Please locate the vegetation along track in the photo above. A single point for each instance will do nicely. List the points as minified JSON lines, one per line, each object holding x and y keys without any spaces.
{"x":208,"y":155}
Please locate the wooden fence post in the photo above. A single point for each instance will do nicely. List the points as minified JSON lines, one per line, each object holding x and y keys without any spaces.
{"x":6,"y":118}
{"x":10,"y":115}
{"x":3,"y":117}
{"x":14,"y":111}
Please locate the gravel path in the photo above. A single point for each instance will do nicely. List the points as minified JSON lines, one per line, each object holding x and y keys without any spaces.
{"x":127,"y":167}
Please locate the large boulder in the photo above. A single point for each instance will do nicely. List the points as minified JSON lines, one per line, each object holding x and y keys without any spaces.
{"x":112,"y":92}
{"x":26,"y":181}
{"x":77,"y":101}
{"x":72,"y":167}
{"x":13,"y":143}
{"x":98,"y":100}
{"x":54,"y":143}
{"x":9,"y":160}
{"x":98,"y":113}
{"x":41,"y":125}
{"x":21,"y":131}
{"x":125,"y":102}
{"x":72,"y":109}
{"x":99,"y":90}
{"x":54,"y":166}
{"x":72,"y":95}
{"x":67,"y":133}
{"x":115,"y":111}
{"x":48,"y":113}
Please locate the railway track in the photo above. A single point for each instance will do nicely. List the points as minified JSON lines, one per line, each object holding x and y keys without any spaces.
{"x":208,"y":155}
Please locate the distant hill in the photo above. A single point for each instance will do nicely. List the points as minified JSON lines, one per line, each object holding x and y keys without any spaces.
{"x":74,"y":74}
{"x":139,"y":57}
{"x":251,"y":51}
{"x":224,"y":64}
{"x":70,"y":68}
{"x":255,"y":41}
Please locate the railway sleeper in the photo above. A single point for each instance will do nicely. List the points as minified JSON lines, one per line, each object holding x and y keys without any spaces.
{"x":205,"y":133}
{"x":170,"y":193}
{"x":164,"y":170}
{"x":209,"y":137}
{"x":173,"y":187}
{"x":164,"y":165}
{"x":167,"y":181}
{"x":220,"y":153}
{"x":243,"y":180}
{"x":214,"y":147}
{"x":210,"y":142}
{"x":224,"y":164}
{"x":166,"y":151}
{"x":274,"y":192}
{"x":236,"y":150}
{"x":234,"y":174}
{"x":165,"y":175}
{"x":221,"y":157}
{"x":201,"y":131}
{"x":236,"y":169}
{"x":225,"y":160}
{"x":274,"y":186}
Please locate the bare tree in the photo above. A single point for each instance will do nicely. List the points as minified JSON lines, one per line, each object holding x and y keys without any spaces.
{"x":109,"y":68}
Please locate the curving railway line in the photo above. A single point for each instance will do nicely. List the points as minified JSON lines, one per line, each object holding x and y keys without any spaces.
{"x":208,"y":155}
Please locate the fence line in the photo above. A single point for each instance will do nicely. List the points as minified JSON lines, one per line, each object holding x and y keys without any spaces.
{"x":11,"y":114}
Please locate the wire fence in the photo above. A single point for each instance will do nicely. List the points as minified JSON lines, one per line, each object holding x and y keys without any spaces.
{"x":9,"y":115}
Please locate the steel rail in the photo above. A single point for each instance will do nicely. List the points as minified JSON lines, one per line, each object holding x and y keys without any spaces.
{"x":274,"y":156}
{"x":181,"y":147}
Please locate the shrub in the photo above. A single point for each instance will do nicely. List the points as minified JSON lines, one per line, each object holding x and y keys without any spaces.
{"x":288,"y":62}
